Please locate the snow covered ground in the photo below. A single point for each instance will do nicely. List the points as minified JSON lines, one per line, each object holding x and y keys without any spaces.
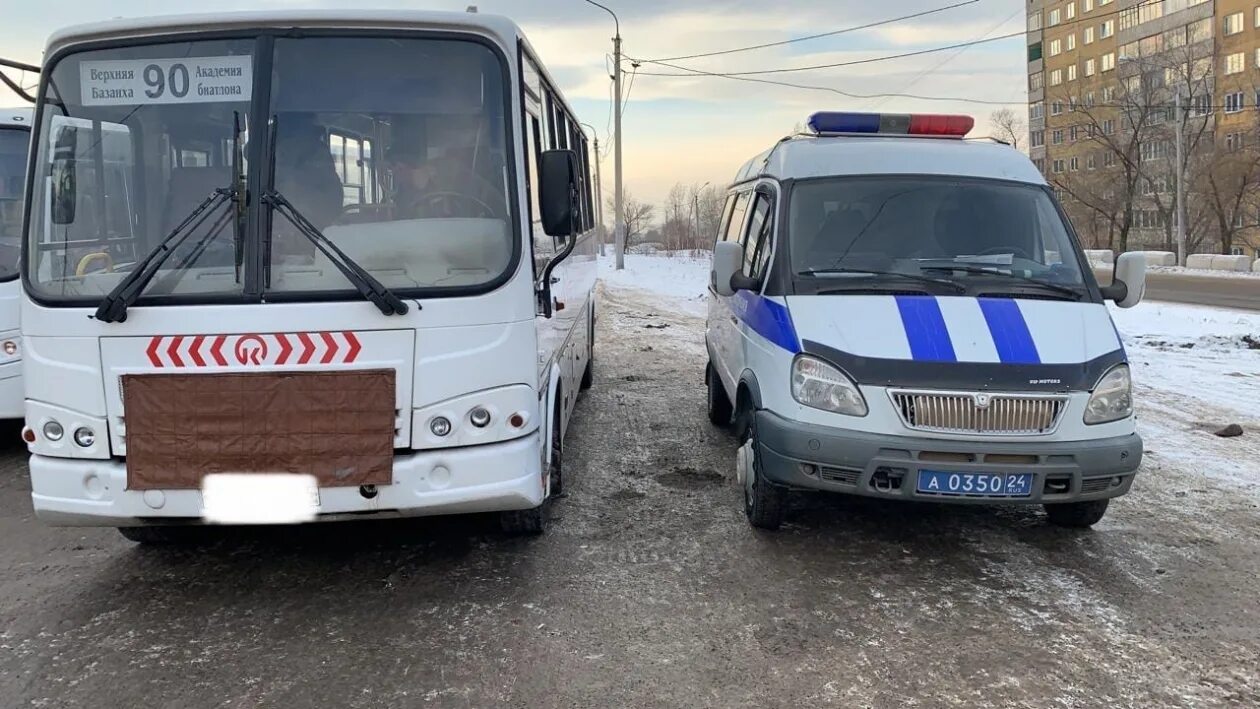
{"x":1196,"y":369}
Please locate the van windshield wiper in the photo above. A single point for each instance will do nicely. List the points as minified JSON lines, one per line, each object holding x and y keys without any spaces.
{"x":897,"y":274}
{"x":1076,"y":294}
{"x":113,"y":307}
{"x":371,"y":289}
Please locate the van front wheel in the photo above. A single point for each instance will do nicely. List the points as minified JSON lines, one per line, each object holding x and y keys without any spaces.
{"x":719,"y":404}
{"x":764,"y":502}
{"x":1077,"y":514}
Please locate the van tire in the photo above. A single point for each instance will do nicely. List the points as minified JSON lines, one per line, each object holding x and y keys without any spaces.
{"x":1077,"y":514}
{"x":720,"y":408}
{"x":765,"y":503}
{"x":523,"y":523}
{"x":159,"y":536}
{"x":588,"y":374}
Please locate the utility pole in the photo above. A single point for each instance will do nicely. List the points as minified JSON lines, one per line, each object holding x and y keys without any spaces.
{"x":695,"y":207}
{"x":619,"y":225}
{"x":599,"y":200}
{"x":1180,"y":176}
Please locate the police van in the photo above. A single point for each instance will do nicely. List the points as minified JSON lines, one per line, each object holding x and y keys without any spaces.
{"x":898,"y":312}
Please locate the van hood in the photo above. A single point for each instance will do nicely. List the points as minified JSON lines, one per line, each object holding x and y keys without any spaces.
{"x":961,"y":341}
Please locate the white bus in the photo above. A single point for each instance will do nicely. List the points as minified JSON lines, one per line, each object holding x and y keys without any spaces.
{"x":333,"y":263}
{"x":15,"y":138}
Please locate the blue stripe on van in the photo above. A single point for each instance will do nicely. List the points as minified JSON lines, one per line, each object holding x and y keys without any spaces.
{"x":1010,"y":331}
{"x":767,"y":318}
{"x":925,"y":328}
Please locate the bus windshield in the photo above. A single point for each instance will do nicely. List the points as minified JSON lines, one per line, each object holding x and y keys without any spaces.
{"x":13,"y":145}
{"x":395,"y":148}
{"x":968,"y":231}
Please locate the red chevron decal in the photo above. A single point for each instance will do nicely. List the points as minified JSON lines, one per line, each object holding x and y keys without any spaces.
{"x":217,"y":350}
{"x":194,"y":351}
{"x":355,"y":347}
{"x":308,"y":348}
{"x":285,"y":349}
{"x":173,"y":351}
{"x":331,"y":344}
{"x":152,"y":351}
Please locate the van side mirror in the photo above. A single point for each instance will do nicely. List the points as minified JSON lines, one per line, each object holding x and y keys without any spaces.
{"x":557,"y":192}
{"x":728,"y":256}
{"x":1128,"y":281}
{"x":64,"y":192}
{"x":557,"y":204}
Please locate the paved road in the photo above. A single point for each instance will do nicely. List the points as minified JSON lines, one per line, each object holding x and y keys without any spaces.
{"x":1177,"y":287}
{"x":650,"y":590}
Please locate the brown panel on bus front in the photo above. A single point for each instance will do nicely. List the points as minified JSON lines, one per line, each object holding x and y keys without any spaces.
{"x":337,"y":426}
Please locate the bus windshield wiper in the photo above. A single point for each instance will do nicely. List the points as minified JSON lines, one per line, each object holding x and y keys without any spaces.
{"x":367,"y":285}
{"x":897,"y":274}
{"x":114,"y":306}
{"x":992,"y":271}
{"x":371,"y":289}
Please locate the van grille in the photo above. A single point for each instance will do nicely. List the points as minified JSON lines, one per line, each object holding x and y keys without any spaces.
{"x":981,"y":413}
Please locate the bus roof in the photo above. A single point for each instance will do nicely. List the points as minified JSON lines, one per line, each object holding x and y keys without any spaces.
{"x":19,"y":117}
{"x":496,"y":25}
{"x":801,"y":157}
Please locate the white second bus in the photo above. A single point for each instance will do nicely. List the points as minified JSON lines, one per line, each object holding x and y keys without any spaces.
{"x":15,"y":138}
{"x":334,"y":263}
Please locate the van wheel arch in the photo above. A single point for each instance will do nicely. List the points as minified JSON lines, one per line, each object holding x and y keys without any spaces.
{"x":747,"y":402}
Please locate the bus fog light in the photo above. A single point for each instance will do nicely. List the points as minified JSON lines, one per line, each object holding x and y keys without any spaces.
{"x":28,"y":434}
{"x":516,"y":420}
{"x":440,"y":426}
{"x":84,"y":437}
{"x":53,"y":431}
{"x":10,"y":347}
{"x":479,"y":417}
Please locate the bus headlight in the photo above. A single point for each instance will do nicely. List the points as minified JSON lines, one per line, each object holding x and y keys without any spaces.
{"x":53,"y":431}
{"x":819,"y":385}
{"x":84,"y":437}
{"x":1112,"y":399}
{"x":10,"y":347}
{"x":479,"y":417}
{"x":440,"y":426}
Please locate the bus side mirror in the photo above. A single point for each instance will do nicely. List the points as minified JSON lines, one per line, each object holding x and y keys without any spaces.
{"x":728,"y":256}
{"x":1128,"y":281}
{"x":64,"y":191}
{"x":557,"y":192}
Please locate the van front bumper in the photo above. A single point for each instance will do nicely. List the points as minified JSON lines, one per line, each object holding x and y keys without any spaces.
{"x":808,"y":456}
{"x":486,"y":478}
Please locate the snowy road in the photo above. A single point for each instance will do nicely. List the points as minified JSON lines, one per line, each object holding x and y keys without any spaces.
{"x":651,"y":590}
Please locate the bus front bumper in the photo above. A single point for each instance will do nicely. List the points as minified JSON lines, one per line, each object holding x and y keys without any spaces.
{"x":485,"y":478}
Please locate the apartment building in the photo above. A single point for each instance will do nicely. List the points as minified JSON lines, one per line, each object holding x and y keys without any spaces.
{"x":1105,"y":79}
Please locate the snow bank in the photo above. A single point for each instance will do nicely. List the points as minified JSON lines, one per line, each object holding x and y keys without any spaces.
{"x":682,"y":278}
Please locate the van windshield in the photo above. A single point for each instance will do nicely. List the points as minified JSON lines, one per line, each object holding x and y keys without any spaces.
{"x":394,"y":147}
{"x":13,"y":145}
{"x":973,"y":233}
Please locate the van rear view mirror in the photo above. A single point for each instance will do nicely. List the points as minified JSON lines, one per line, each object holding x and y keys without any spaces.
{"x":1128,"y":282}
{"x":728,"y":256}
{"x":64,"y":192}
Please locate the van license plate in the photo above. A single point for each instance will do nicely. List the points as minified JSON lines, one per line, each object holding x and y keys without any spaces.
{"x":976,"y":484}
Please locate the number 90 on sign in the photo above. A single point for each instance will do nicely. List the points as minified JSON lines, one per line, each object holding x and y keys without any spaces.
{"x":132,"y":82}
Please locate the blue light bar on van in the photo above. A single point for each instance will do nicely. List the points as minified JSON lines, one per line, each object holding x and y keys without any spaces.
{"x":825,"y":122}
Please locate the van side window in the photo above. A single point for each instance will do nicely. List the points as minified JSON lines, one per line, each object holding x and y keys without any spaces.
{"x":735,"y":228}
{"x":726,"y":218}
{"x":760,"y":230}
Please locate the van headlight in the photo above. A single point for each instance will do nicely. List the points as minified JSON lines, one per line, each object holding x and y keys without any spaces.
{"x":819,"y":385}
{"x":1112,"y":399}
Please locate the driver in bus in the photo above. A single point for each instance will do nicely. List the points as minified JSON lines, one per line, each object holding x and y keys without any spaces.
{"x":426,"y":187}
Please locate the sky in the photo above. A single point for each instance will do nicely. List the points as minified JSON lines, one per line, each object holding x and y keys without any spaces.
{"x":692,"y":129}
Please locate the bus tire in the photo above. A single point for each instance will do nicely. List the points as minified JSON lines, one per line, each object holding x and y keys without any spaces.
{"x":588,"y":374}
{"x":719,"y":403}
{"x":1077,"y":514}
{"x":523,"y":523}
{"x":158,"y":536}
{"x":555,"y":469}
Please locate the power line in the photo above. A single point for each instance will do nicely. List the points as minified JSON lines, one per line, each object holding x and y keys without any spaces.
{"x":926,"y":72}
{"x":820,"y":35}
{"x":869,"y":60}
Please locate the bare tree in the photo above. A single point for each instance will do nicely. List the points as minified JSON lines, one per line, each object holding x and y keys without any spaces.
{"x":1230,"y":190}
{"x":637,"y":216}
{"x":1008,"y":125}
